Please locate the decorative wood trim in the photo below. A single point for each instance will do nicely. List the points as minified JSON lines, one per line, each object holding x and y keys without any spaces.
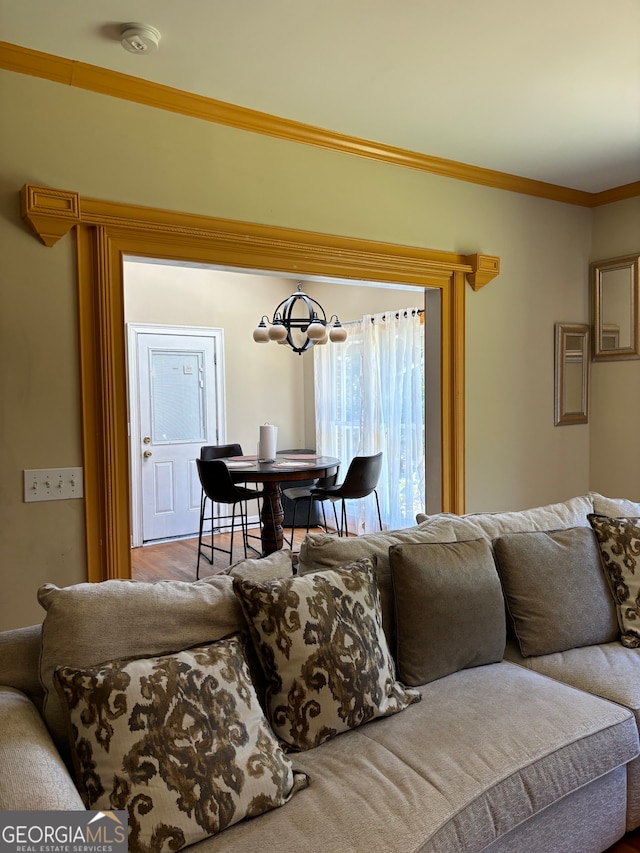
{"x":51,"y":213}
{"x":485,"y":269}
{"x":106,"y":231}
{"x":225,"y":240}
{"x":92,"y":78}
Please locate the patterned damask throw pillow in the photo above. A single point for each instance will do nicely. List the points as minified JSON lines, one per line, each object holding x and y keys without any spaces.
{"x":320,"y":641}
{"x":619,"y":540}
{"x":179,"y":741}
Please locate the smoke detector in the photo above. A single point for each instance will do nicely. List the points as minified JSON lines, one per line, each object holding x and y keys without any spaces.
{"x":139,"y":38}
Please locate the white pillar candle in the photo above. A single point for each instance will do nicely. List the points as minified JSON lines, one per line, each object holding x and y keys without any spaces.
{"x":268,"y":443}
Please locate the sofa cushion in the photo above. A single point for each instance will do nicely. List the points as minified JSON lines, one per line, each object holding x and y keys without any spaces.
{"x":279,"y":564}
{"x":614,"y":507}
{"x":179,"y":741}
{"x":556,"y":516}
{"x":319,"y":638}
{"x":608,"y":670}
{"x":485,"y":750}
{"x":321,"y":551}
{"x":619,"y":540}
{"x":449,"y":608}
{"x":557,"y":595}
{"x":89,"y":623}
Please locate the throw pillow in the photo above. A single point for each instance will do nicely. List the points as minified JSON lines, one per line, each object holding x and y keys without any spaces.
{"x":279,"y":564}
{"x":88,"y":623}
{"x":614,"y":507}
{"x":178,"y":741}
{"x":556,"y":592}
{"x":558,"y":516}
{"x":319,"y":638}
{"x":449,"y":608}
{"x":619,"y":540}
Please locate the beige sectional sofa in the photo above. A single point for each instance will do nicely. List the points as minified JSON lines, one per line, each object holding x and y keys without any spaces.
{"x":490,"y":704}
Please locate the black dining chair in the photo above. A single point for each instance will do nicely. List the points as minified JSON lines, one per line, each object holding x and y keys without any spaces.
{"x":220,"y":451}
{"x":218,"y":487}
{"x":305,"y":494}
{"x":361,"y":480}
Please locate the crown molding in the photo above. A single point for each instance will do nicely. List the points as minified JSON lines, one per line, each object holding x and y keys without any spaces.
{"x":92,"y":78}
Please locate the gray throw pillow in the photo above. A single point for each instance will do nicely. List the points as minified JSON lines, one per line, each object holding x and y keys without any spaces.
{"x":449,"y":608}
{"x":556,"y":591}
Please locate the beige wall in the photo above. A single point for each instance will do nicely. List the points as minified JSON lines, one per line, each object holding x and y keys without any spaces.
{"x":615,"y":410}
{"x":105,"y":148}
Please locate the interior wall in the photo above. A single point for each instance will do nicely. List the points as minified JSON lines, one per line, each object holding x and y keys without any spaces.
{"x":102,"y":147}
{"x":615,"y":402}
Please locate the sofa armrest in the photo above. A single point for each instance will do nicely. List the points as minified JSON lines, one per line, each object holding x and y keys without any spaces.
{"x":20,"y":661}
{"x":33,"y":776}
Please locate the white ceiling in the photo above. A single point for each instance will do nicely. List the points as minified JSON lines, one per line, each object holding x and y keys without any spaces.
{"x":544,"y":89}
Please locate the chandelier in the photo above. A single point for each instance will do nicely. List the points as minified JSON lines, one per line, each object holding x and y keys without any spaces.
{"x":300,"y":322}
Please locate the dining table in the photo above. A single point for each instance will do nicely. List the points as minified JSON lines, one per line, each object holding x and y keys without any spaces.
{"x":284,"y":468}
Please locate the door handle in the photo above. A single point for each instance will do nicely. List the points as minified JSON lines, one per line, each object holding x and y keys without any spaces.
{"x":147,"y":439}
{"x":147,"y":454}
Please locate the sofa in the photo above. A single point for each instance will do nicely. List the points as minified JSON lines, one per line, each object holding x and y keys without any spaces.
{"x":470,"y":683}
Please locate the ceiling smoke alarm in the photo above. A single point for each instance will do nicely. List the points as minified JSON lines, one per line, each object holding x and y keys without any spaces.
{"x":139,"y":38}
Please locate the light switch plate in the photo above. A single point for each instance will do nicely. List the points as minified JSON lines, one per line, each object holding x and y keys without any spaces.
{"x":53,"y":484}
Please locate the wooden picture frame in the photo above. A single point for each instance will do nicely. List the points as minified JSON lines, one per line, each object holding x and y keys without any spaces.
{"x":571,"y":374}
{"x":615,"y":291}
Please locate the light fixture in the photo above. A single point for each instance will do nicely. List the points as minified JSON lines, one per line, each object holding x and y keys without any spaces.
{"x":309,"y":327}
{"x":139,"y":38}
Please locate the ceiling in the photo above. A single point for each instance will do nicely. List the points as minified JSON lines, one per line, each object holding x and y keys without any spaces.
{"x":547,"y":90}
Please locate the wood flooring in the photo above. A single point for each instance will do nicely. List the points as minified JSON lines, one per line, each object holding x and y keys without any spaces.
{"x":177,"y":561}
{"x":629,"y":844}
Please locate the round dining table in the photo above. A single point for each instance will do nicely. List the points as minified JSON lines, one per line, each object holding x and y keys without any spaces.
{"x":286,"y":467}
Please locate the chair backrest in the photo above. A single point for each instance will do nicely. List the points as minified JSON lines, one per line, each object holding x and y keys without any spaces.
{"x":217,"y":451}
{"x":326,"y":482}
{"x":362,"y":476}
{"x":216,"y":481}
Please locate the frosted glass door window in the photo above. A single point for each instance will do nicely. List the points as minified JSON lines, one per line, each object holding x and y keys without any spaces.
{"x":177,"y":397}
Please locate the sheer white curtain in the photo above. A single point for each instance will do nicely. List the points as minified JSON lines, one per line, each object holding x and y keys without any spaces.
{"x":369,"y":396}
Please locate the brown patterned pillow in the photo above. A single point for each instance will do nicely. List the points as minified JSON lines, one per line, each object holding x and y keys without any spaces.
{"x":619,"y":540}
{"x":179,"y":741}
{"x":319,"y":638}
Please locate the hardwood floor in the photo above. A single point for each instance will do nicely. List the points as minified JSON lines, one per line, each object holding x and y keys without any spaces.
{"x":177,"y":561}
{"x":629,"y":844}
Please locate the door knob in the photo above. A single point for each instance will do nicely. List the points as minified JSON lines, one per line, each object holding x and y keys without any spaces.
{"x":147,"y":454}
{"x":147,"y":439}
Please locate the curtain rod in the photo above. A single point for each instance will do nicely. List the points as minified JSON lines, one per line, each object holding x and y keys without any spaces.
{"x":397,"y":314}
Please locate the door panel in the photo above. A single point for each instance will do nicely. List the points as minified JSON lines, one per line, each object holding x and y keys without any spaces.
{"x":177,"y":396}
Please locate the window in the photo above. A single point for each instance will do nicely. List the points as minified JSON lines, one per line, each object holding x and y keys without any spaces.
{"x":370,"y":396}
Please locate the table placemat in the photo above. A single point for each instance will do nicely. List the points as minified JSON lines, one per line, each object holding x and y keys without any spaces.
{"x":292,"y":464}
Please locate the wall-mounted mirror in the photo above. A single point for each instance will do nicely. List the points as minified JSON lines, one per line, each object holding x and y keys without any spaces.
{"x":571,"y":374}
{"x":614,"y":285}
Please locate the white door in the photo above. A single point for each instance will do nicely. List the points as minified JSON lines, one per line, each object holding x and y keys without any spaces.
{"x":176,"y":398}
